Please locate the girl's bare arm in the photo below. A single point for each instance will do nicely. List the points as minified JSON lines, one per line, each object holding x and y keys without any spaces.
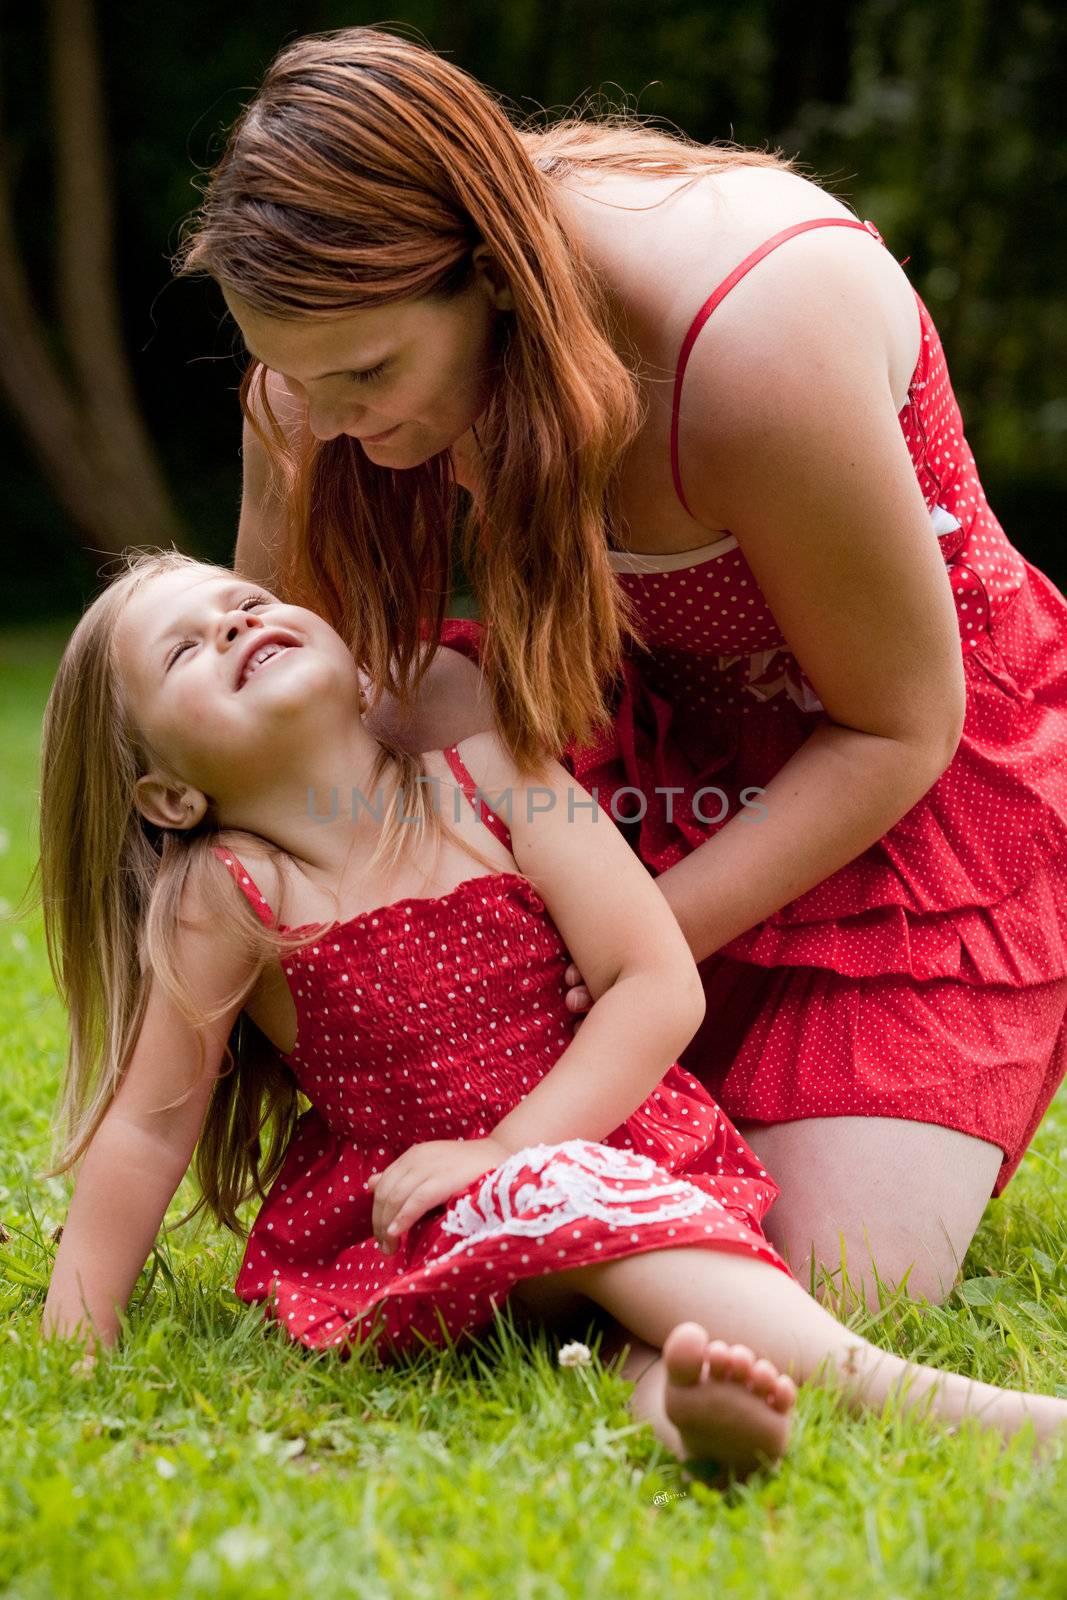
{"x":141,"y":1150}
{"x":649,"y":1000}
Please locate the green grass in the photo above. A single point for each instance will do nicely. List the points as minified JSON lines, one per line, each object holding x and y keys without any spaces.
{"x":206,"y":1456}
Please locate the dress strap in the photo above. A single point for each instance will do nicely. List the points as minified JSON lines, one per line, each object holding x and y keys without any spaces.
{"x":482,"y":810}
{"x":719,"y":294}
{"x":244,"y":882}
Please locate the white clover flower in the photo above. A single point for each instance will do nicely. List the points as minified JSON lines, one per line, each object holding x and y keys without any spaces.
{"x":574,"y":1354}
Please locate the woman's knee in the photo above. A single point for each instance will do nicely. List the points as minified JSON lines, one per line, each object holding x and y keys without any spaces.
{"x":869,"y":1201}
{"x":845,"y":1274}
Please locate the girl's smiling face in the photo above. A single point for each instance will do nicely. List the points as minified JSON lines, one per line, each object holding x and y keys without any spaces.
{"x":212,"y":713}
{"x":407,"y":379}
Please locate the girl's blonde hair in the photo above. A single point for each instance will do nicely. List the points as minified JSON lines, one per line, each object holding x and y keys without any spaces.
{"x":365,"y":171}
{"x":111,"y":886}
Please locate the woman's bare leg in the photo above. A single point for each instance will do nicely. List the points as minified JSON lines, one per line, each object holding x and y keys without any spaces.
{"x":905,"y":1196}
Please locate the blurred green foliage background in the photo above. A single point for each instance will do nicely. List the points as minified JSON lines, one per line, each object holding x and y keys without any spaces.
{"x":939,"y":119}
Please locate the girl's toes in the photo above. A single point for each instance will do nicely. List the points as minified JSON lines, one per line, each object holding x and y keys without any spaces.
{"x":741,"y":1360}
{"x":684,"y":1351}
{"x":719,"y":1358}
{"x":763,"y":1377}
{"x":784,"y":1395}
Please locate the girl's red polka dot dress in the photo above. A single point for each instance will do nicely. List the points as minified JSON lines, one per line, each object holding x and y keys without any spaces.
{"x":926,"y":979}
{"x":430,"y":1019}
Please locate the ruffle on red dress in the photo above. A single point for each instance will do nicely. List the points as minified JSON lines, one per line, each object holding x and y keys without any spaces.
{"x":970,"y":884}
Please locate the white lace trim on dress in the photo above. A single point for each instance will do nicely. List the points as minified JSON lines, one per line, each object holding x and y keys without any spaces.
{"x":580,"y":1186}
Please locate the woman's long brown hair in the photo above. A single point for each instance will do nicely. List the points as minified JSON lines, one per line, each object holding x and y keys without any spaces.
{"x":365,"y":171}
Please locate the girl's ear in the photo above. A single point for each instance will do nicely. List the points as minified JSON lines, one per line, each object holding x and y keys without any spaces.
{"x":167,"y":805}
{"x":492,"y":278}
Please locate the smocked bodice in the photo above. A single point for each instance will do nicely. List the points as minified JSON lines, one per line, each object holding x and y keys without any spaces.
{"x":391,"y":1002}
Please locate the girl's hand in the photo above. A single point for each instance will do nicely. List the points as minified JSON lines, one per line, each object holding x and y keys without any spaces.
{"x":423,"y":1177}
{"x":578,"y":997}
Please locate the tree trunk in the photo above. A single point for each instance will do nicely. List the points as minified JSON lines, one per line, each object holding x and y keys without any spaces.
{"x":88,"y":434}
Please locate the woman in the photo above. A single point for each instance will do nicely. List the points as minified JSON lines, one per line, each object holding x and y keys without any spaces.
{"x":715,"y":467}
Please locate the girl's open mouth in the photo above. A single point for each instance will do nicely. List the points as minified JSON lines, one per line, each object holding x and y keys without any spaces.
{"x":260,"y":656}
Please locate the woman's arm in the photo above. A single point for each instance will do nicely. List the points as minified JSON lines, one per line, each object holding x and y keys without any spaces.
{"x":141,"y":1150}
{"x":451,"y":703}
{"x":791,"y":439}
{"x":832,"y":800}
{"x":617,"y":926}
{"x":263,"y":529}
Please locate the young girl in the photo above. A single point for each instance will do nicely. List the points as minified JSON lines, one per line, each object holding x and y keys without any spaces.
{"x":206,"y":771}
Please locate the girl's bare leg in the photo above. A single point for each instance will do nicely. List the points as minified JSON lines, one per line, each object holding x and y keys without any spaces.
{"x":731,"y":1422}
{"x":729,"y":1408}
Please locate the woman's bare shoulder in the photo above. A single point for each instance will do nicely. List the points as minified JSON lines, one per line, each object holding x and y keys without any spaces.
{"x":661,"y":247}
{"x":660,"y":233}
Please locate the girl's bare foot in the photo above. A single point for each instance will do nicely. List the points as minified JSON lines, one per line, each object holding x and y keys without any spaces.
{"x":728,"y":1405}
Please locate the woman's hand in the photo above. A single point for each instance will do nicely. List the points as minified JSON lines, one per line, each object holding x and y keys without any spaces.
{"x":578,"y":997}
{"x":425,"y":1176}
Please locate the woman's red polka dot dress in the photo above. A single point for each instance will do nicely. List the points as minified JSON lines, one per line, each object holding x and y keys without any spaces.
{"x":431,"y":1019}
{"x":926,"y":979}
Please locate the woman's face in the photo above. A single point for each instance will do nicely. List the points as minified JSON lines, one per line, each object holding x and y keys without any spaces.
{"x":407,"y":380}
